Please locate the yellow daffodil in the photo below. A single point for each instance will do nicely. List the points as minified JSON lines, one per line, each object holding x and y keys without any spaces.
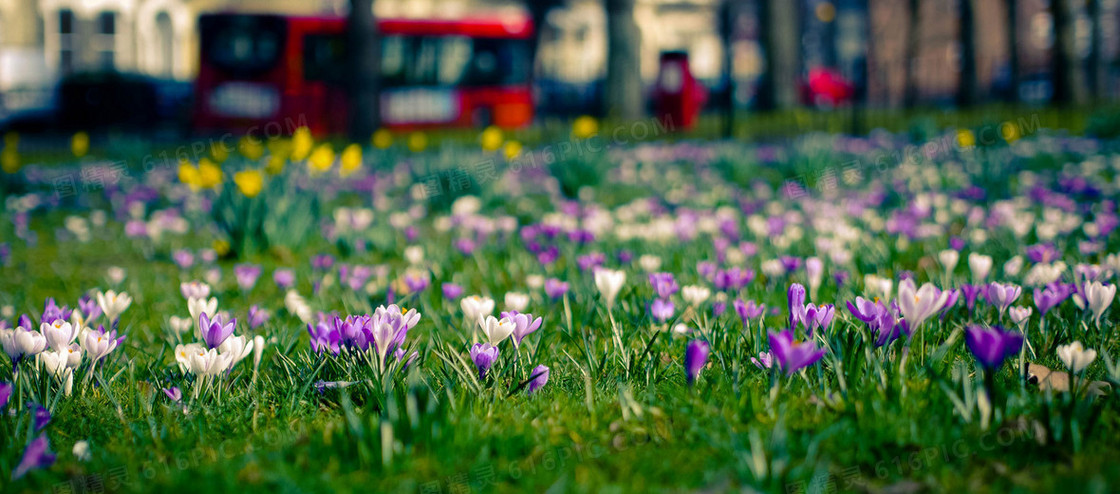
{"x":249,"y":182}
{"x":417,"y":142}
{"x":321,"y":159}
{"x":351,"y":160}
{"x":221,"y":247}
{"x":188,"y":174}
{"x":301,"y":144}
{"x":9,"y":160}
{"x":512,"y":150}
{"x":209,"y":174}
{"x":1010,"y":132}
{"x":491,"y":139}
{"x":966,"y":138}
{"x":275,"y":164}
{"x":79,"y":144}
{"x":382,"y":139}
{"x":250,"y":148}
{"x":584,"y":127}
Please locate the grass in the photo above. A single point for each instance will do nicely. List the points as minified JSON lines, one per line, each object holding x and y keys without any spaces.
{"x":611,"y":418}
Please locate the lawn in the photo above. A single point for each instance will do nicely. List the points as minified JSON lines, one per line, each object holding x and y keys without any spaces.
{"x":818,"y":313}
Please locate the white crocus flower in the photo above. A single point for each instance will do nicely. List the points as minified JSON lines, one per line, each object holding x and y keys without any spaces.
{"x":649,"y":263}
{"x":180,"y":325}
{"x":1013,"y":266}
{"x":695,"y":295}
{"x":97,"y":345}
{"x":980,"y":265}
{"x":113,"y":303}
{"x":59,"y":334}
{"x":199,"y":306}
{"x":918,"y":304}
{"x":235,"y":349}
{"x":475,"y":307}
{"x":208,"y":362}
{"x":296,"y":305}
{"x":1076,"y":357}
{"x":1098,"y":297}
{"x":258,"y":351}
{"x":81,"y":451}
{"x":877,"y":286}
{"x":1020,"y":316}
{"x":414,"y":254}
{"x":609,"y":282}
{"x":949,"y":259}
{"x":183,"y":355}
{"x":115,"y":274}
{"x":496,"y":329}
{"x":517,"y":301}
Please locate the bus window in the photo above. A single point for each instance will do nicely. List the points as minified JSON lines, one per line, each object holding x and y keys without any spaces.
{"x":452,"y":61}
{"x":243,"y":45}
{"x":324,"y":57}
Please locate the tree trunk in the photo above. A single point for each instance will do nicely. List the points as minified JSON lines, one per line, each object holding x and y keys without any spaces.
{"x":624,"y":92}
{"x":1064,"y":67}
{"x":1013,"y":50}
{"x":538,"y":12}
{"x":967,"y":88}
{"x":913,"y":47}
{"x":780,"y":36}
{"x":1098,"y":70}
{"x":728,"y":14}
{"x":364,"y":52}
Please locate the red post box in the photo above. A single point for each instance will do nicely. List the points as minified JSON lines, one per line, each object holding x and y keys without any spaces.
{"x":678,"y":96}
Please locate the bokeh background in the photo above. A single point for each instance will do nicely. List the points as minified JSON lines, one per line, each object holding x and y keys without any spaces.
{"x":742,"y":68}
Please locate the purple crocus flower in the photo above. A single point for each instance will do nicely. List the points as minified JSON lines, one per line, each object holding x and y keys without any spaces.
{"x":246,"y":275}
{"x":790,"y":263}
{"x":523,"y":325}
{"x":41,"y":415}
{"x":764,"y":360}
{"x":664,"y":284}
{"x":322,"y":262}
{"x":257,"y":317}
{"x":971,"y":293}
{"x":795,"y":297}
{"x":173,"y":393}
{"x":214,"y":333}
{"x":5,"y":394}
{"x":1043,"y":253}
{"x":1002,"y":295}
{"x":818,"y":317}
{"x":89,"y":307}
{"x":452,"y":291}
{"x":662,"y":309}
{"x":590,"y":261}
{"x":718,"y":308}
{"x":324,"y":338}
{"x":865,"y":310}
{"x":695,"y":357}
{"x":748,"y":309}
{"x":416,"y":281}
{"x":284,"y":278}
{"x":793,"y":355}
{"x":183,"y":258}
{"x":539,"y":378}
{"x":991,"y":346}
{"x":37,"y":455}
{"x":483,"y":355}
{"x":52,"y":312}
{"x":1049,"y":297}
{"x":555,"y":289}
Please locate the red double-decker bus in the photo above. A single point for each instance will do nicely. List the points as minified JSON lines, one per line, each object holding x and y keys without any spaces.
{"x":255,"y":69}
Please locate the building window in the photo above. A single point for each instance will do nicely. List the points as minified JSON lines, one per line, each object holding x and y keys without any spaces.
{"x":165,"y":38}
{"x":65,"y":41}
{"x":106,"y":40}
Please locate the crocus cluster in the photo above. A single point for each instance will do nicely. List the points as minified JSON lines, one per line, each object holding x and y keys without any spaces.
{"x":384,"y":332}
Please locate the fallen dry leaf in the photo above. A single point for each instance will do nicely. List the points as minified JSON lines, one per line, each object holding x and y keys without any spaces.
{"x":1059,"y":381}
